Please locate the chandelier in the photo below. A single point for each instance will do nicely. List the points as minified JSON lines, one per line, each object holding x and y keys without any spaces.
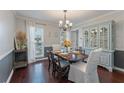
{"x":65,"y":24}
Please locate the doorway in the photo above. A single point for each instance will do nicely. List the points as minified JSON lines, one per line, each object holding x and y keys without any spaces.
{"x":39,"y":43}
{"x":35,"y":43}
{"x":74,"y":39}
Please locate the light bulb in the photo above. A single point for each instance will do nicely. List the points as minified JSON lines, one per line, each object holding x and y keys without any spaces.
{"x":92,"y":31}
{"x":100,"y":30}
{"x":67,"y":21}
{"x":60,"y":22}
{"x":70,"y":24}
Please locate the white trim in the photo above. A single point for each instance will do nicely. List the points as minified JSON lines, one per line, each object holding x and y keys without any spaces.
{"x":38,"y":21}
{"x":99,"y":17}
{"x":117,"y":49}
{"x":10,"y":76}
{"x":44,"y":58}
{"x":38,"y":60}
{"x":119,"y":69}
{"x":5,"y":54}
{"x":29,"y":62}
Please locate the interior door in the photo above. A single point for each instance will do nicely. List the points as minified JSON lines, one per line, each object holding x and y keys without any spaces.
{"x":39,"y":43}
{"x":74,"y":39}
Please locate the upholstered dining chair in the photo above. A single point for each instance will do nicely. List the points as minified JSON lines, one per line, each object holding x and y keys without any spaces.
{"x":49,"y":60}
{"x":81,"y":72}
{"x":52,"y":62}
{"x":62,"y":68}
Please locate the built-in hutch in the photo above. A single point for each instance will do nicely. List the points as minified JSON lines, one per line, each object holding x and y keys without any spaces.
{"x":98,"y":36}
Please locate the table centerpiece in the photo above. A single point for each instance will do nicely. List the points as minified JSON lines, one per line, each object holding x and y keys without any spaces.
{"x":67,"y":45}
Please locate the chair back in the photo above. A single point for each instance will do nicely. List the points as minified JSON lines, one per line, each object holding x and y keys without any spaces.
{"x":93,"y":60}
{"x":56,"y":47}
{"x":49,"y":56}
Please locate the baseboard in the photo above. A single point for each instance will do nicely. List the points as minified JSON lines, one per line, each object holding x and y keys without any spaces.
{"x":119,"y":69}
{"x":45,"y":58}
{"x":10,"y":76}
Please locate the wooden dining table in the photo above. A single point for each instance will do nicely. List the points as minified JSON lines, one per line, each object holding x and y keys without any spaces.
{"x":72,"y":57}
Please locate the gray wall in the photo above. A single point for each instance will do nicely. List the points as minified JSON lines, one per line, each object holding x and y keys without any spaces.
{"x":7,"y":33}
{"x":6,"y":65}
{"x":119,"y":59}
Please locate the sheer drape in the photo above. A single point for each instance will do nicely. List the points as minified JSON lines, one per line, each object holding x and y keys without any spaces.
{"x":30,"y":26}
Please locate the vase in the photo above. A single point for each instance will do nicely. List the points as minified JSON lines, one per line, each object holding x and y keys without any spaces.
{"x":67,"y":49}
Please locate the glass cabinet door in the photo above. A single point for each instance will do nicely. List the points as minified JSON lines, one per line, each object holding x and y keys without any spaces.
{"x":97,"y":36}
{"x":86,"y":38}
{"x":94,"y":37}
{"x":104,"y":36}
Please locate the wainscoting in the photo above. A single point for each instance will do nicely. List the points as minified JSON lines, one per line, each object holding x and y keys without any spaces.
{"x":119,"y":59}
{"x":6,"y":65}
{"x":47,"y":49}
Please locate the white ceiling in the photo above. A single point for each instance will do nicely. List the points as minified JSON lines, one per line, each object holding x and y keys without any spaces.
{"x":75,"y":16}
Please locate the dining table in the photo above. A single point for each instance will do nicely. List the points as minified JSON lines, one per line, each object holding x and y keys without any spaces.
{"x":72,"y":57}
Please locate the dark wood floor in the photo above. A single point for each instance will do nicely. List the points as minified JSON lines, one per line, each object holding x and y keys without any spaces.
{"x":38,"y":73}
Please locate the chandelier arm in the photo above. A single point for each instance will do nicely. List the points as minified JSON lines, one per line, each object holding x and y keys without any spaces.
{"x":65,"y":26}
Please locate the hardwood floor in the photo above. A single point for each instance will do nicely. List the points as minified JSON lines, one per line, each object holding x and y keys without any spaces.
{"x":110,"y":77}
{"x":38,"y":73}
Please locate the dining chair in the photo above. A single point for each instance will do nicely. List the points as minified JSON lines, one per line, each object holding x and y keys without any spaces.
{"x":62,"y":68}
{"x":49,"y":60}
{"x":81,"y":72}
{"x":52,"y":60}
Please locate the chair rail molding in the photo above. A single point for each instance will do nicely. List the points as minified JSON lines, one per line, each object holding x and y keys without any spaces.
{"x":5,"y":54}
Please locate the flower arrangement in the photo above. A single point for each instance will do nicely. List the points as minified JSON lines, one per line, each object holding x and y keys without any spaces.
{"x":67,"y":43}
{"x":21,"y":40}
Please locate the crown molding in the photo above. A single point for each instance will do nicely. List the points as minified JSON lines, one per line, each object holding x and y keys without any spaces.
{"x":42,"y":22}
{"x":99,"y":17}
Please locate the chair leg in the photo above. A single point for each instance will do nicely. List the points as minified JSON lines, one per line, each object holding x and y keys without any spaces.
{"x":49,"y":67}
{"x":65,"y":75}
{"x":53,"y":70}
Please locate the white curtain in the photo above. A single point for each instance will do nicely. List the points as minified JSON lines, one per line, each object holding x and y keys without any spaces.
{"x":30,"y":25}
